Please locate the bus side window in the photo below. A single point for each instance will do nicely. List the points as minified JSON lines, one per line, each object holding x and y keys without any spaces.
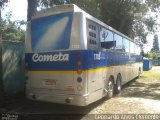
{"x":126,"y":45}
{"x":118,"y":42}
{"x":137,"y":49}
{"x":132,"y":47}
{"x":106,"y":38}
{"x":92,"y":35}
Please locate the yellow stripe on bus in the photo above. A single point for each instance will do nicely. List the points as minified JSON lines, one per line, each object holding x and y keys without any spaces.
{"x":95,"y":70}
{"x":71,"y":72}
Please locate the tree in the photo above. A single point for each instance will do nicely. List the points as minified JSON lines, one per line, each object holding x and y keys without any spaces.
{"x":154,"y":5}
{"x":50,"y":3}
{"x":32,"y":5}
{"x":155,"y":43}
{"x":11,"y":30}
{"x":91,"y":7}
{"x":129,"y":17}
{"x":2,"y":3}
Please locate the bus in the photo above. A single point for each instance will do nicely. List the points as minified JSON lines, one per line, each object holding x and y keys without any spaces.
{"x":75,"y":59}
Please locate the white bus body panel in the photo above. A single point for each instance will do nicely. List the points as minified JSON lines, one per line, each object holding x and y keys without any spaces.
{"x":65,"y":91}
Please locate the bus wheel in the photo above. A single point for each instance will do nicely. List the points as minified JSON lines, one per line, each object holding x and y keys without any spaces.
{"x":118,"y":85}
{"x":110,"y":88}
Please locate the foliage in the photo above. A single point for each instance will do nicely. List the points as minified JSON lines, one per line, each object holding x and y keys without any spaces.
{"x":2,"y":2}
{"x":129,"y":17}
{"x":149,"y":55}
{"x":11,"y":30}
{"x":152,"y":54}
{"x":154,"y":5}
{"x":117,"y":14}
{"x":155,"y":43}
{"x":91,"y":6}
{"x":149,"y":75}
{"x":50,"y":3}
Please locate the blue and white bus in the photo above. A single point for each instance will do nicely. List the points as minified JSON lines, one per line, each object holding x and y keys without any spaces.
{"x":73,"y":58}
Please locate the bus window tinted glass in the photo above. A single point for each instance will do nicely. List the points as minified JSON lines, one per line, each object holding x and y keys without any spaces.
{"x":105,"y":35}
{"x":118,"y":42}
{"x":132,"y":47}
{"x":137,"y":49}
{"x":51,"y":32}
{"x":93,"y":38}
{"x":126,"y":45}
{"x":106,"y":38}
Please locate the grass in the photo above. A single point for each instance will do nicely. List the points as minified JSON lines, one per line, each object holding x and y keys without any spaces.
{"x":150,"y":75}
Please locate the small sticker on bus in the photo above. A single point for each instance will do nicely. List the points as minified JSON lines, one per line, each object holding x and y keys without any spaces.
{"x":97,"y":56}
{"x":70,"y":88}
{"x":49,"y":82}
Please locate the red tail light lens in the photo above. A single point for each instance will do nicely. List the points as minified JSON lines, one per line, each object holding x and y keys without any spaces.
{"x":78,"y":55}
{"x":79,"y":79}
{"x":79,"y":71}
{"x":78,"y":63}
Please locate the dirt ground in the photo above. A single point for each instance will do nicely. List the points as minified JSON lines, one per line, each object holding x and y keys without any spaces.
{"x":140,"y":96}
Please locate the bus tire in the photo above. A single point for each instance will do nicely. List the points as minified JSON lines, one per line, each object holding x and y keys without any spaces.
{"x":118,"y":85}
{"x":110,"y":87}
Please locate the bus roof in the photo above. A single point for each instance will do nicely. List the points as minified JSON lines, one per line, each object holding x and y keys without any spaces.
{"x":74,"y":8}
{"x":56,"y":10}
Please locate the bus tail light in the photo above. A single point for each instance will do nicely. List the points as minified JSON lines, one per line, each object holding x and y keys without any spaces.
{"x":78,"y":55}
{"x":79,"y":71}
{"x":79,"y":87}
{"x":79,"y":79}
{"x":78,"y":63}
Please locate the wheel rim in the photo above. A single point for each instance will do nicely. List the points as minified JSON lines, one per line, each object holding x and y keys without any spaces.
{"x":110,"y":88}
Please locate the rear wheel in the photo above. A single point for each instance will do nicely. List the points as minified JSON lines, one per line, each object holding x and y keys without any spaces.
{"x":118,"y":85}
{"x":110,"y":88}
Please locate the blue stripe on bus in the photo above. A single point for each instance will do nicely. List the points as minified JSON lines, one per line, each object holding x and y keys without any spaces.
{"x":88,"y":60}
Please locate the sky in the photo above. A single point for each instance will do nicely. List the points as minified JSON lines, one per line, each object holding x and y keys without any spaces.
{"x":19,"y":12}
{"x":18,"y":8}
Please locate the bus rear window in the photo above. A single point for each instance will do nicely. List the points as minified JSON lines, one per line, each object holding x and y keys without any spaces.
{"x":51,"y":32}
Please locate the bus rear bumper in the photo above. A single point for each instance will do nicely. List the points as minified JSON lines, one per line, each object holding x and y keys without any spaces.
{"x":77,"y":100}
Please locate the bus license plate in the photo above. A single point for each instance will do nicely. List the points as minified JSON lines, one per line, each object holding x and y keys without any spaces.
{"x":50,"y":82}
